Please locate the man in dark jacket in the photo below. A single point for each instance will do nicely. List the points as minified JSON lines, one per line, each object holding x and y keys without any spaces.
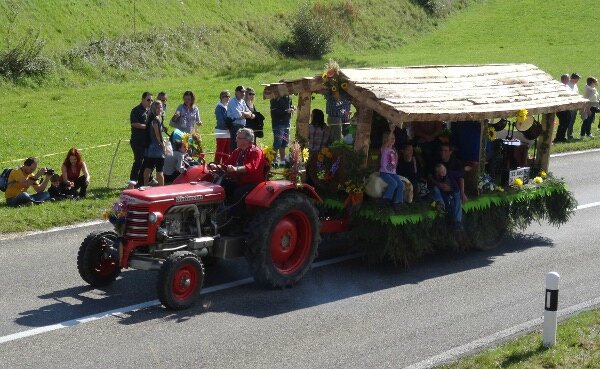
{"x":138,"y":118}
{"x":281,"y":115}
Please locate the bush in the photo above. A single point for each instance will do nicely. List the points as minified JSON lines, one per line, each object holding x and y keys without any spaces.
{"x":25,"y":59}
{"x":439,"y":8}
{"x":311,"y":36}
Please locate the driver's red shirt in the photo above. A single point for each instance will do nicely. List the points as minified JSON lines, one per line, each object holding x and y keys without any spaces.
{"x":252,"y":159}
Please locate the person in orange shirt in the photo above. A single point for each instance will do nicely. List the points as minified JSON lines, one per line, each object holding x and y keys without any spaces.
{"x":21,"y":179}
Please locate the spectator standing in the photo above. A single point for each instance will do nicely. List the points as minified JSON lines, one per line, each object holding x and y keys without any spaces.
{"x":573,"y":86}
{"x":338,"y":110}
{"x":238,"y":112}
{"x":154,"y":156}
{"x":187,"y":115}
{"x":256,"y":123}
{"x":281,"y":115}
{"x":21,"y":179}
{"x":589,"y":112}
{"x":74,"y":174}
{"x":318,"y":132}
{"x":221,"y":132}
{"x":564,"y":117}
{"x":138,"y":119}
{"x":162,"y":96}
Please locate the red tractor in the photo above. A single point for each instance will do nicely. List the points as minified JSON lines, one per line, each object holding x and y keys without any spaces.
{"x":173,"y":229}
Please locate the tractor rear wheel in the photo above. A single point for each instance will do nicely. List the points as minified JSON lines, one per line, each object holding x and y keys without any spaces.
{"x":97,"y":259}
{"x":283,"y":240}
{"x":180,"y":280}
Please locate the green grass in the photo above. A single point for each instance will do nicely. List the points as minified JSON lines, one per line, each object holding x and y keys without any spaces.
{"x":51,"y":118}
{"x":578,"y":347}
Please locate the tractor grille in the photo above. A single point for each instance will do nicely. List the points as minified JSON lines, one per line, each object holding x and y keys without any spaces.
{"x":137,"y":223}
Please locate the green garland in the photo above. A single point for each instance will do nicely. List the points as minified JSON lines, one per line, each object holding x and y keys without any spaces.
{"x":404,"y":238}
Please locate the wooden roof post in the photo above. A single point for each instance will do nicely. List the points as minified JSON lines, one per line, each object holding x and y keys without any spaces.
{"x":363,"y":131}
{"x":303,"y":117}
{"x":545,"y":142}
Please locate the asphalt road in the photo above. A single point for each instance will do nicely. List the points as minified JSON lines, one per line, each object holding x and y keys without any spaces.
{"x":344,"y":315}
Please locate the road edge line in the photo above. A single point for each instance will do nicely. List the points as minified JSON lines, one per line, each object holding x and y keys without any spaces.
{"x":479,"y":344}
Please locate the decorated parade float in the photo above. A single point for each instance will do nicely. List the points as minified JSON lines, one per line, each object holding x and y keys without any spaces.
{"x":509,"y":184}
{"x":177,"y":229}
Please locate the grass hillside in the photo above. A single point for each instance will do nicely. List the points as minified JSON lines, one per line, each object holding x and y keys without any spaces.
{"x":88,"y":108}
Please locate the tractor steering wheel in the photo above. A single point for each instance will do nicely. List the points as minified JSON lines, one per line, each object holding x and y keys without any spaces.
{"x":218,"y":172}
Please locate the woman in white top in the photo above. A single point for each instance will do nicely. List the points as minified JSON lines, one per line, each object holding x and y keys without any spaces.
{"x":589,"y":112}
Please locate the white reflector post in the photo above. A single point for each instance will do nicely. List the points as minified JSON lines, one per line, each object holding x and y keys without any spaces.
{"x":550,"y":308}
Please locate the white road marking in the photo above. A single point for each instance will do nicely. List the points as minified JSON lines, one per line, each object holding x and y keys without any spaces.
{"x":573,"y":153}
{"x":12,"y":236}
{"x":586,"y":206}
{"x":471,"y":347}
{"x":147,"y":304}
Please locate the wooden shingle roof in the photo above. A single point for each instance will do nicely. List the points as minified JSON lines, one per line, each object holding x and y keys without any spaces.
{"x":448,"y":93}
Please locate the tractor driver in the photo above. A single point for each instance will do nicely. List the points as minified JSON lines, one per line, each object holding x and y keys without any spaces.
{"x":245,"y":168}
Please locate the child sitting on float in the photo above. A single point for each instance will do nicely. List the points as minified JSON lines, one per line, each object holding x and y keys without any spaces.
{"x":394,"y":192}
{"x":446,"y":193}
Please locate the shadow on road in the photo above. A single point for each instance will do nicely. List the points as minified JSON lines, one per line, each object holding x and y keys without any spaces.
{"x":321,"y":286}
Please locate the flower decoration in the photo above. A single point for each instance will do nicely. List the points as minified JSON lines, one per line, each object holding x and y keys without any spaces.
{"x":486,"y":184}
{"x":491,"y":134}
{"x":269,"y":153}
{"x":522,"y":115}
{"x":542,"y":174}
{"x":538,"y":180}
{"x":298,"y":160}
{"x":117,"y":213}
{"x":305,"y":154}
{"x":500,"y":189}
{"x":333,"y":81}
{"x":326,"y":165}
{"x":518,"y":182}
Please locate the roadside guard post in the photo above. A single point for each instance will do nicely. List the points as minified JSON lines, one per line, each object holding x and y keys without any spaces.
{"x":551,"y":306}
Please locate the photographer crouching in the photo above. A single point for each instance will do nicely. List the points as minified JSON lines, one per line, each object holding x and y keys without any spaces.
{"x":22,"y":178}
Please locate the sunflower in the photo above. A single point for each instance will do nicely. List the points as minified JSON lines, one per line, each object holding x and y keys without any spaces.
{"x":305,"y":154}
{"x":491,"y":134}
{"x":542,"y":174}
{"x":334,"y":89}
{"x":345,"y":85}
{"x":538,"y":180}
{"x":518,"y":182}
{"x":522,"y":115}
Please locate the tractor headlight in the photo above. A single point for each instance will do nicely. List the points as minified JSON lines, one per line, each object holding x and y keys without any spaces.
{"x":153,"y":217}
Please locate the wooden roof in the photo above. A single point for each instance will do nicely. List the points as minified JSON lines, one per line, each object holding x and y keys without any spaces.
{"x":447,"y":93}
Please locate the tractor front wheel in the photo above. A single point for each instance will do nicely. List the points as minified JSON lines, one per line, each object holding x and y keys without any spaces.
{"x":283,"y":240}
{"x":180,"y":280}
{"x":97,"y":259}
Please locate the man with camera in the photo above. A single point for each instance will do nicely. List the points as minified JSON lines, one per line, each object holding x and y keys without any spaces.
{"x":22,"y":178}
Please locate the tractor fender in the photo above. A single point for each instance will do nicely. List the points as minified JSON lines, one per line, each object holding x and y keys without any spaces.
{"x":195,"y":173}
{"x":266,"y":192}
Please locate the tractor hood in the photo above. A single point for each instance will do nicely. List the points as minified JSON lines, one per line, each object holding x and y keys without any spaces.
{"x":192,"y":192}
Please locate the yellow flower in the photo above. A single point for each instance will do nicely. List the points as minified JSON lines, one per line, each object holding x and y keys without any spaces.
{"x":522,"y":115}
{"x":305,"y":154}
{"x":518,"y":182}
{"x":542,"y":174}
{"x":433,"y":204}
{"x":345,"y":85}
{"x":491,"y":134}
{"x":334,"y":89}
{"x":500,"y":189}
{"x":324,"y":75}
{"x":105,"y":214}
{"x":538,"y":180}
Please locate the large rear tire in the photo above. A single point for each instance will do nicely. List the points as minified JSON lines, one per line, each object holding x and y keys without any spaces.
{"x":97,"y":259}
{"x":180,"y":280}
{"x":283,"y":240}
